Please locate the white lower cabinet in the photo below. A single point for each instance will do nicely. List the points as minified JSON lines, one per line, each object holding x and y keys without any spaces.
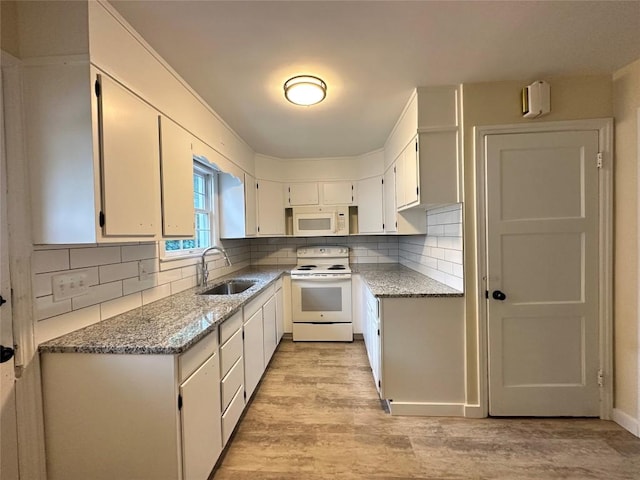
{"x":231,"y":374}
{"x":254,"y":352}
{"x":132,"y":416}
{"x":416,"y":352}
{"x":270,"y":341}
{"x":279,"y":310}
{"x":371,"y":334}
{"x":201,"y":440}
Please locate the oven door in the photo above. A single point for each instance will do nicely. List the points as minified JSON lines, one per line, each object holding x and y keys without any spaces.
{"x":321,"y":299}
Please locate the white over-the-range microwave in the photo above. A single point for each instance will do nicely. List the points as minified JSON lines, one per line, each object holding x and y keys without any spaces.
{"x":321,"y":221}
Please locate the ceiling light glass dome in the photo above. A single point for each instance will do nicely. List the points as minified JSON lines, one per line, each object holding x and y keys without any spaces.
{"x":305,"y":90}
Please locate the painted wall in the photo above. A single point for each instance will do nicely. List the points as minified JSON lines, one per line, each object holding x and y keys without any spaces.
{"x":498,"y":103}
{"x":9,"y":28}
{"x":315,"y":169}
{"x":626,"y":95}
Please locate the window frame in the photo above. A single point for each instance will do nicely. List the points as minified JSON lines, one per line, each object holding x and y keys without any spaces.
{"x":211,"y":194}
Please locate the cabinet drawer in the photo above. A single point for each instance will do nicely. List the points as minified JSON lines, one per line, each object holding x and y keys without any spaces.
{"x":232,"y":415}
{"x":230,"y":326}
{"x":230,"y":384}
{"x":256,"y":304}
{"x":190,"y":360}
{"x":230,"y":352}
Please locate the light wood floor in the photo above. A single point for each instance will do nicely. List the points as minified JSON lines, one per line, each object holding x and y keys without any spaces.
{"x":316,"y":415}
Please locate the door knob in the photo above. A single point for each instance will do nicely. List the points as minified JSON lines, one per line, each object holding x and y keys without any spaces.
{"x":6,"y":353}
{"x":498,"y":295}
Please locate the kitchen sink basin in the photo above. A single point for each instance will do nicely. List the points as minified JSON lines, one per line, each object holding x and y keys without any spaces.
{"x":230,"y":287}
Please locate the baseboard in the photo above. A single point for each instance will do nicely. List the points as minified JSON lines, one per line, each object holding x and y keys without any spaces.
{"x":427,"y":409}
{"x":474,"y":411}
{"x":626,"y":421}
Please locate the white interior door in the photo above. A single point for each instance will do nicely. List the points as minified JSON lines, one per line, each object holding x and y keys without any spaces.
{"x":8,"y":432}
{"x":542,"y":255}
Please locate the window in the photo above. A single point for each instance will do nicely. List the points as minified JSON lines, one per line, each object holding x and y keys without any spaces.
{"x":205,"y":217}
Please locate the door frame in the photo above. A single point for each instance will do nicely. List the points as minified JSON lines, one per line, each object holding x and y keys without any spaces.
{"x":604,"y":127}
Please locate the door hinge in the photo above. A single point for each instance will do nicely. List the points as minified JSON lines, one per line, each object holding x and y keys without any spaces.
{"x":101,"y":219}
{"x":379,"y":384}
{"x":378,"y":332}
{"x":600,"y":378}
{"x":416,"y":145}
{"x":383,"y":226}
{"x":179,"y":402}
{"x":244,"y":394}
{"x":486,"y":294}
{"x":417,"y":190}
{"x":599,"y":160}
{"x":243,"y":334}
{"x":258,"y":229}
{"x":382,"y":181}
{"x":257,"y":185}
{"x":394,"y":169}
{"x":98,"y":87}
{"x":396,"y":224}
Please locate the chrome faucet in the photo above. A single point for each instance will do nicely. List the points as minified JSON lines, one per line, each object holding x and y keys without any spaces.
{"x":204,"y":270}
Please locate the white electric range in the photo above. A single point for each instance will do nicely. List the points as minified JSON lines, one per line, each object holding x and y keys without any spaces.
{"x":321,"y":294}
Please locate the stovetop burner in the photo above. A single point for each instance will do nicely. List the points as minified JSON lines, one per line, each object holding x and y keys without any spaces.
{"x":307,"y":267}
{"x":336,"y":267}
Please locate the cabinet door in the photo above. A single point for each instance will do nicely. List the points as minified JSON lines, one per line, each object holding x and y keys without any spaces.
{"x":269,"y":333}
{"x":279,"y":314}
{"x":270,"y":208}
{"x":303,"y":193}
{"x":390,"y":209}
{"x":200,"y":418}
{"x":250,"y":204}
{"x":129,"y":161}
{"x":253,"y":352}
{"x":370,"y":206}
{"x":176,"y":170}
{"x":337,"y":193}
{"x":410,"y":175}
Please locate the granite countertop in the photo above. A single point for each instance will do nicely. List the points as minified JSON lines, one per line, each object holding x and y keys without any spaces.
{"x":392,"y":280}
{"x":168,"y":326}
{"x":173,"y":324}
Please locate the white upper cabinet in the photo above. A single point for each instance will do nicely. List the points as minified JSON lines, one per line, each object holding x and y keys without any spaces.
{"x":390,"y":208}
{"x":303,"y":193}
{"x":425,"y":145}
{"x":176,"y":162}
{"x":93,"y":149}
{"x":370,"y":205}
{"x":337,"y":193}
{"x":270,"y":208}
{"x":128,"y":161}
{"x":237,"y":198}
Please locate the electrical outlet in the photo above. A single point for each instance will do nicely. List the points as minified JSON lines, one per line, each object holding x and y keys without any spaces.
{"x":69,"y":285}
{"x":143,"y":273}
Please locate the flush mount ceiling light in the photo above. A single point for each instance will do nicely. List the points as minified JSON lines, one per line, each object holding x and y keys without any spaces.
{"x":305,"y":90}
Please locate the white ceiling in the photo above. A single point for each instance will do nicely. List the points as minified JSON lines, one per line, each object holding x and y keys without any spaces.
{"x":238,"y":54}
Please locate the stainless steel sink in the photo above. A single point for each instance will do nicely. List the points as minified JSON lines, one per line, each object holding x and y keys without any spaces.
{"x":230,"y":287}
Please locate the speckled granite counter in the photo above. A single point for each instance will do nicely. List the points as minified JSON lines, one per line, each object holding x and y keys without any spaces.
{"x":386,"y":280}
{"x":168,"y":326}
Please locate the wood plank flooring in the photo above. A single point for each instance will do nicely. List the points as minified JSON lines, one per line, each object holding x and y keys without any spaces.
{"x":316,"y":415}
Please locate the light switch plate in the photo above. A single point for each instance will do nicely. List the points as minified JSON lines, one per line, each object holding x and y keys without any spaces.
{"x":69,"y":285}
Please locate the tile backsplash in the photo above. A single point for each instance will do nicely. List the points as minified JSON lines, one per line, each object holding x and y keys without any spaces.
{"x":116,"y":285}
{"x":363,"y":249}
{"x":437,"y":254}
